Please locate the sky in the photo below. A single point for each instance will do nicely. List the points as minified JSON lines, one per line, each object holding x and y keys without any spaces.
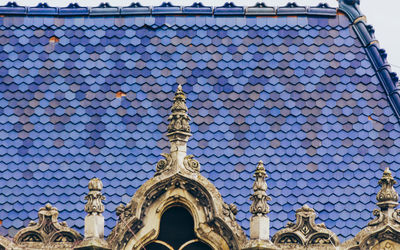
{"x":383,"y":15}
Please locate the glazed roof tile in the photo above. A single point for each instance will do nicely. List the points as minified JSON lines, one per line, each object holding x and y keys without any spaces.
{"x":89,"y":96}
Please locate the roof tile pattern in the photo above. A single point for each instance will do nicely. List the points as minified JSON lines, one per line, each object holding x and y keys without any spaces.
{"x":84,"y":97}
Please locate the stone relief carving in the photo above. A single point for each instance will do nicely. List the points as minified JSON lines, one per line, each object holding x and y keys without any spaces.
{"x":305,"y":232}
{"x":387,"y":196}
{"x":94,"y":198}
{"x":226,"y":225}
{"x":260,"y":197}
{"x":179,"y":120}
{"x":191,"y":164}
{"x":47,"y":230}
{"x":164,"y":164}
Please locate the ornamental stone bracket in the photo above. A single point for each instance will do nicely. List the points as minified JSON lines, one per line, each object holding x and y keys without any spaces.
{"x":305,"y":234}
{"x":383,"y":232}
{"x":47,"y":233}
{"x":177,"y":181}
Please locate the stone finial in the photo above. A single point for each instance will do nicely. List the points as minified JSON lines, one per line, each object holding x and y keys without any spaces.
{"x":94,"y":220}
{"x":94,"y":197}
{"x":260,"y":197}
{"x":387,"y":197}
{"x":259,"y":221}
{"x":179,"y":119}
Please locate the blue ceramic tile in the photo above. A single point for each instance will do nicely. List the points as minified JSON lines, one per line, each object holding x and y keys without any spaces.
{"x":298,"y":99}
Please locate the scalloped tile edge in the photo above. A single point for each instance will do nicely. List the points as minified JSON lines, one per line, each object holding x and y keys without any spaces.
{"x":228,"y":9}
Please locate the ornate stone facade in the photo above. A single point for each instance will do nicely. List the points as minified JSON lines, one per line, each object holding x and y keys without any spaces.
{"x":179,"y":182}
{"x":305,"y":233}
{"x":47,"y":233}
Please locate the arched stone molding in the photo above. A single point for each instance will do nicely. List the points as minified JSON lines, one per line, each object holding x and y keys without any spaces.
{"x":177,"y":181}
{"x":47,"y":232}
{"x":305,"y":233}
{"x":214,"y":220}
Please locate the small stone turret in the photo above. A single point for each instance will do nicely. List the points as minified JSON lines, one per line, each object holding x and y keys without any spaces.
{"x":94,"y":220}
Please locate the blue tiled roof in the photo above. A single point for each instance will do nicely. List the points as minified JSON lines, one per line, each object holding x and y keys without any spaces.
{"x":89,"y":96}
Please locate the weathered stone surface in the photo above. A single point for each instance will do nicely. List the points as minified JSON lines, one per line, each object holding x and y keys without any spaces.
{"x":305,"y":233}
{"x":179,"y":182}
{"x":386,"y":226}
{"x":47,"y":233}
{"x":94,"y":220}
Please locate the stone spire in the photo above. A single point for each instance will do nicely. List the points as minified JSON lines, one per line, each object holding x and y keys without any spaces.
{"x":387,"y":197}
{"x":260,"y":197}
{"x":178,"y":135}
{"x":259,"y":221}
{"x":179,"y":119}
{"x":94,"y":220}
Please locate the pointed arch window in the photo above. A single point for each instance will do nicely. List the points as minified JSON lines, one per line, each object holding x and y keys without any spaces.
{"x":177,"y":232}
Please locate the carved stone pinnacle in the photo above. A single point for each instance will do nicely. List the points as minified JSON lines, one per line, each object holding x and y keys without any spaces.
{"x":179,"y":119}
{"x":94,"y":197}
{"x":260,"y":197}
{"x":387,"y":197}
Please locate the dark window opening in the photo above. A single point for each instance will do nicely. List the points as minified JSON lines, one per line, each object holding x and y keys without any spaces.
{"x":177,"y":232}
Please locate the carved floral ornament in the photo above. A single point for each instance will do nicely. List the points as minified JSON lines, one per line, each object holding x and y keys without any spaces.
{"x":94,"y":198}
{"x":260,"y":197}
{"x":179,"y":119}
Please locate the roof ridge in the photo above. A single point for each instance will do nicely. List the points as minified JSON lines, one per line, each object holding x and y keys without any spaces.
{"x":166,"y":8}
{"x":377,"y":55}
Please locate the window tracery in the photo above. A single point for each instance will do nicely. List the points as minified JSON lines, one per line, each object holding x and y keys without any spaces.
{"x":177,"y":232}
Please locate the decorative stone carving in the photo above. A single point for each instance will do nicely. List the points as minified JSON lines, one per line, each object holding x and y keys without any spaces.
{"x":260,"y":197}
{"x":385,"y":227}
{"x":94,"y":220}
{"x":259,"y":221}
{"x":305,"y":232}
{"x":191,"y":164}
{"x":94,"y":199}
{"x":179,"y":119}
{"x":177,"y":182}
{"x":47,"y":230}
{"x":387,"y":197}
{"x":204,"y":199}
{"x":164,"y":164}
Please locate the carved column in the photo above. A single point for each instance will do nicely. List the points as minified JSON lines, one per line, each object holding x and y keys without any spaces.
{"x":259,"y":221}
{"x":94,"y":220}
